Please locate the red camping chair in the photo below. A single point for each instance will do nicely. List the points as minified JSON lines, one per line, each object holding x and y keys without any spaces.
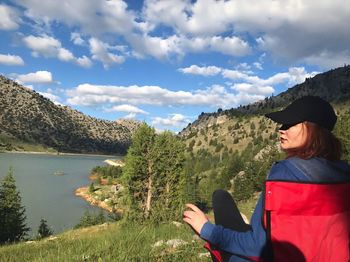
{"x":305,"y":222}
{"x":308,"y":221}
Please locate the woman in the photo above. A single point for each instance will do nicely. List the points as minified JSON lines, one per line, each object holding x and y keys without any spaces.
{"x":313,"y":155}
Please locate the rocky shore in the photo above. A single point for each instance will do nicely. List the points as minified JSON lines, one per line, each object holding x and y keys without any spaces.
{"x":83,"y":192}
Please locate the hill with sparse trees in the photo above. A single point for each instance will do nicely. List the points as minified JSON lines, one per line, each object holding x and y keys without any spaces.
{"x":28,"y":118}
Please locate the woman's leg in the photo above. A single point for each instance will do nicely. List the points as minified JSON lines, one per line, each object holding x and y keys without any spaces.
{"x":226,"y":212}
{"x":227,"y":215}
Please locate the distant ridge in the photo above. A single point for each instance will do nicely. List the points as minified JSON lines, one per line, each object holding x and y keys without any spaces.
{"x":28,"y":116}
{"x":333,"y":86}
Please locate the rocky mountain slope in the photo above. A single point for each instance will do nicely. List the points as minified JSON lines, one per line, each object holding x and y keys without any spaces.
{"x":233,"y":129}
{"x":28,"y":116}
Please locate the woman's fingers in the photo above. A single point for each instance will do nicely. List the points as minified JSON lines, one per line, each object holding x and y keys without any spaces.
{"x":194,"y":217}
{"x":193,"y":207}
{"x":188,"y":214}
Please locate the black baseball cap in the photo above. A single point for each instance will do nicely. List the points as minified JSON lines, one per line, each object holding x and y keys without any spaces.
{"x":308,"y":108}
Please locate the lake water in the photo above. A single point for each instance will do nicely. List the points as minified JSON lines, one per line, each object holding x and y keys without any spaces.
{"x":50,"y":196}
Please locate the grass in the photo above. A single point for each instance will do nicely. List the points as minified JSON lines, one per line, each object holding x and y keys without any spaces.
{"x":110,"y":242}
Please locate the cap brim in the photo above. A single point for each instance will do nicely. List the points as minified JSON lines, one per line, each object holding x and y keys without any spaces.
{"x":283,"y":117}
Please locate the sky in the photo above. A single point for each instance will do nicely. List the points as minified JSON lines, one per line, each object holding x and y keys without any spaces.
{"x":167,"y":61}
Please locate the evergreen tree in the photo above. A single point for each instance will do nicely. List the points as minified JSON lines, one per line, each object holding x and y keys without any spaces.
{"x":169,"y":177}
{"x":12,"y":214}
{"x":154,"y":176}
{"x":44,"y":230}
{"x":342,"y":132}
{"x":138,"y":174}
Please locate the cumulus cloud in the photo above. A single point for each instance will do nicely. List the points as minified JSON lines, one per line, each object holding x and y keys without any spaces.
{"x":247,"y":88}
{"x":92,"y":17}
{"x":173,"y":120}
{"x":289,"y":31}
{"x":127,"y":109}
{"x":99,"y":51}
{"x":9,"y":18}
{"x":11,"y":60}
{"x":38,"y":77}
{"x":294,"y":76}
{"x":48,"y":46}
{"x":197,"y":70}
{"x":214,"y":96}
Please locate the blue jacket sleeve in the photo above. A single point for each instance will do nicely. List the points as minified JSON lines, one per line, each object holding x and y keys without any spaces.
{"x":248,"y":243}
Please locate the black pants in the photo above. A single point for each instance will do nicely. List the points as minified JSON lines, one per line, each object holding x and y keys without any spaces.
{"x":227,"y":215}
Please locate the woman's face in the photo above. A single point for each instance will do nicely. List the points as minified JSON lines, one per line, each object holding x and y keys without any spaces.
{"x":293,"y":137}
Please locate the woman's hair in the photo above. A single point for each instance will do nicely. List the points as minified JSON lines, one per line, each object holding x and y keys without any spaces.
{"x":320,"y":142}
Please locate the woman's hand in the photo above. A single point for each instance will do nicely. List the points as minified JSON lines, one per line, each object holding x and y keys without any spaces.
{"x":195,"y":218}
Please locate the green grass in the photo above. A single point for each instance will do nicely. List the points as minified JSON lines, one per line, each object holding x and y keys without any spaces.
{"x":110,"y":242}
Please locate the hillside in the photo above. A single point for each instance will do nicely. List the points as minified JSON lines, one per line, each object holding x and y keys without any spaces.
{"x":233,"y":129}
{"x":28,"y":117}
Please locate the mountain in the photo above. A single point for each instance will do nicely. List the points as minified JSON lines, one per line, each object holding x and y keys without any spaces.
{"x":233,"y":129}
{"x":27,"y":116}
{"x":333,"y":86}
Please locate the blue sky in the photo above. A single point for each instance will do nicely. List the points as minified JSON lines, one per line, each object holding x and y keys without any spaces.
{"x":166,"y":61}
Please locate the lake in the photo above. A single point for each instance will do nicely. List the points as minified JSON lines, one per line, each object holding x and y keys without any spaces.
{"x":50,"y":196}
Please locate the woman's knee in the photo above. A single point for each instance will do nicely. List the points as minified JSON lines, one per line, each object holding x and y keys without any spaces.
{"x":220,"y":194}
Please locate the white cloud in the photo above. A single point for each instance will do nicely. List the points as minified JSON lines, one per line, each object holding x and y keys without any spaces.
{"x":11,"y":60}
{"x":291,"y":31}
{"x":288,"y":31}
{"x":247,"y":88}
{"x":197,"y":70}
{"x":84,"y":61}
{"x":126,"y":108}
{"x":295,"y":75}
{"x":233,"y":46}
{"x":173,"y":120}
{"x":9,"y":18}
{"x":76,"y":38}
{"x":92,"y":17}
{"x":215,"y":96}
{"x":39,"y":77}
{"x":99,"y":51}
{"x":48,"y":47}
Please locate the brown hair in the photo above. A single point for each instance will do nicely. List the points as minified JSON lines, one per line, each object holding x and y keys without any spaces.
{"x":320,"y":142}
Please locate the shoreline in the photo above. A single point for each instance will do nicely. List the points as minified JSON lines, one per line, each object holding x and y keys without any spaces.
{"x":57,"y":154}
{"x":83,"y":192}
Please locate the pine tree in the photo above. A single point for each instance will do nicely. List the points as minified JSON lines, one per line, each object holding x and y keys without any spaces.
{"x":169,"y":179}
{"x":154,"y":176}
{"x":12,"y":214}
{"x":44,"y":230}
{"x":138,"y":173}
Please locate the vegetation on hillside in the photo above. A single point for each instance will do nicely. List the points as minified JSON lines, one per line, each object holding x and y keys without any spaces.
{"x":28,"y":117}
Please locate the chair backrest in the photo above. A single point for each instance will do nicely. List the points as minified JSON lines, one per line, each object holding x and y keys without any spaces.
{"x":308,"y":221}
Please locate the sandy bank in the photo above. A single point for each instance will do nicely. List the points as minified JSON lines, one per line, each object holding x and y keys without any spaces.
{"x":114,"y":162}
{"x":83,"y":192}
